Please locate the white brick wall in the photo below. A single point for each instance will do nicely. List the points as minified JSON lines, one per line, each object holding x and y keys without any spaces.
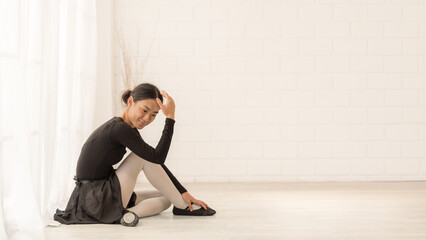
{"x":290,"y":90}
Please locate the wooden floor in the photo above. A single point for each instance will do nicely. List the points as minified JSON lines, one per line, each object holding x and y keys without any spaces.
{"x":391,"y":211}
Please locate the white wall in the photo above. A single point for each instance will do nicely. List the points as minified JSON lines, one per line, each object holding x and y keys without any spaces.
{"x":286,"y":90}
{"x":105,"y":66}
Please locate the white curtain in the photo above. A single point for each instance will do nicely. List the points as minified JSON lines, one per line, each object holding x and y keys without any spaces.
{"x":48,"y":69}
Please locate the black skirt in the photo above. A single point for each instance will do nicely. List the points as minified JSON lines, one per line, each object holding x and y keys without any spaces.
{"x":97,"y":201}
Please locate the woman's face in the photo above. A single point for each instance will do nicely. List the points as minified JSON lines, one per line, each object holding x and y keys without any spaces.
{"x":143,"y":112}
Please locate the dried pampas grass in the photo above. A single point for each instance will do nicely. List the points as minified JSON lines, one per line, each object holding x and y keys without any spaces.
{"x":132,"y":67}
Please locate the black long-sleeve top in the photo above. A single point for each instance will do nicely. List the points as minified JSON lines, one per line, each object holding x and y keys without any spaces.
{"x":106,"y":146}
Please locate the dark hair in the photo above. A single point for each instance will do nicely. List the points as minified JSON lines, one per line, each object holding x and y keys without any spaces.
{"x":141,"y":92}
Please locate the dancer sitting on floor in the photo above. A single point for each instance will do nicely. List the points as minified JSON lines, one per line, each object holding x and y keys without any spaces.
{"x":106,"y":195}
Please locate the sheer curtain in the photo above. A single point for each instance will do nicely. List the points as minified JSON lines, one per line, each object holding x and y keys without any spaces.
{"x":48,"y":69}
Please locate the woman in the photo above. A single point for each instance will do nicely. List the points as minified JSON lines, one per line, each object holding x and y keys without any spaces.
{"x":104,"y":194}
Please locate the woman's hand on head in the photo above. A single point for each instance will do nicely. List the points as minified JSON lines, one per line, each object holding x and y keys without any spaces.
{"x":189,"y":199}
{"x":168,"y":109}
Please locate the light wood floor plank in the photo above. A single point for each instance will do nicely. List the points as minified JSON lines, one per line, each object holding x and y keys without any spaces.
{"x":344,"y":211}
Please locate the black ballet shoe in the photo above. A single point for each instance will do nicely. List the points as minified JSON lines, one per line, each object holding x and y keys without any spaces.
{"x":211,"y":210}
{"x":129,"y":219}
{"x":198,"y":212}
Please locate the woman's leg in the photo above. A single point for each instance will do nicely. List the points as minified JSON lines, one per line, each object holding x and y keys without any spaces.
{"x":143,"y":195}
{"x":151,"y":206}
{"x":150,"y":202}
{"x":128,"y":172}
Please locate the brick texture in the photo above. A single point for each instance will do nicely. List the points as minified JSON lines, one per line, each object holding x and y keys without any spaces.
{"x":296,"y":90}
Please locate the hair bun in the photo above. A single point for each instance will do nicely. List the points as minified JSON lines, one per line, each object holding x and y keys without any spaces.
{"x":126,"y":96}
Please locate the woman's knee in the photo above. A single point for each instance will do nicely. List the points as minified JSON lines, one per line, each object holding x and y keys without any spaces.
{"x":166,"y":202}
{"x":132,"y":165}
{"x":136,"y":160}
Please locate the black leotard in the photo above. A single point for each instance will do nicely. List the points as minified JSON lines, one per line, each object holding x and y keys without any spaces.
{"x":106,"y":146}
